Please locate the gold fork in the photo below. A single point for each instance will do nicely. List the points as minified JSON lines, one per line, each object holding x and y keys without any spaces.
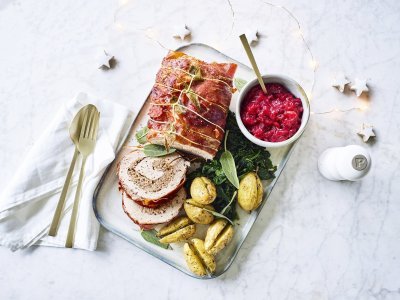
{"x":74,"y":132}
{"x":86,"y":144}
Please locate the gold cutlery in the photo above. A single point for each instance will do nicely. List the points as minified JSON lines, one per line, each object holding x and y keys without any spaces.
{"x":86,"y":144}
{"x":74,"y":132}
{"x":250,"y":55}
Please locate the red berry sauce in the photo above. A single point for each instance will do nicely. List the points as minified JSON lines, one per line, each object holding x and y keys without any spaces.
{"x":272,"y":117}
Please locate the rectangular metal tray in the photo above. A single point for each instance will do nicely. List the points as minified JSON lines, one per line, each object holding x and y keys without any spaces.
{"x":107,"y":202}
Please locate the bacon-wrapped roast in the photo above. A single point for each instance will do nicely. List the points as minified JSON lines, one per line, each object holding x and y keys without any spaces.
{"x":189,"y":104}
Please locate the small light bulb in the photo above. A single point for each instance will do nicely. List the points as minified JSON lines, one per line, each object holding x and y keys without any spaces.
{"x":151,"y":33}
{"x":298,"y":33}
{"x":119,"y":26}
{"x":313,"y":64}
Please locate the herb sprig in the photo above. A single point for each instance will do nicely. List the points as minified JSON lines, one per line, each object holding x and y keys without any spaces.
{"x":228,"y":164}
{"x":154,"y":150}
{"x":141,"y":135}
{"x":151,"y":237}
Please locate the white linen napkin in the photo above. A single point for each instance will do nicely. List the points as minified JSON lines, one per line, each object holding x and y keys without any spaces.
{"x":28,"y":203}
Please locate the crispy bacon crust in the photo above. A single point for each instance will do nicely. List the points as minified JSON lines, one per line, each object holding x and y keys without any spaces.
{"x":189,"y":103}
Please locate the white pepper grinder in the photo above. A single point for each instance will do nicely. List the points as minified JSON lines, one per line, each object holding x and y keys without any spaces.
{"x":351,"y":162}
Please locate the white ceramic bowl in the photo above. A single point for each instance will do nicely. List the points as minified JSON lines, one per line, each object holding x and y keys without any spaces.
{"x":293,"y":87}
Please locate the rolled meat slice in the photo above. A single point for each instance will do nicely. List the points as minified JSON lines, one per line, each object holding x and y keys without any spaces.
{"x":150,"y":216}
{"x":149,"y":180}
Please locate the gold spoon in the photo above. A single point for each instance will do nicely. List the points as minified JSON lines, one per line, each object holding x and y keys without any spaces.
{"x":86,"y":145}
{"x":250,"y":55}
{"x":74,"y":133}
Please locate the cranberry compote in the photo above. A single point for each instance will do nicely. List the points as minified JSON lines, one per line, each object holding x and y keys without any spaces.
{"x":272,"y":117}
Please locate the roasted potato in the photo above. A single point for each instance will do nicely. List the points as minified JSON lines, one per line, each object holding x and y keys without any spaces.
{"x":250,"y":192}
{"x":180,"y":229}
{"x":219,"y":234}
{"x":196,"y":212}
{"x":199,"y":261}
{"x":202,"y":190}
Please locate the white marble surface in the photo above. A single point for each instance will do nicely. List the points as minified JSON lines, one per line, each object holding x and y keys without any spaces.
{"x":315,"y":239}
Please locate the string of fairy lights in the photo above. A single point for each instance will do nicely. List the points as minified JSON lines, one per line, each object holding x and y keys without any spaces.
{"x":151,"y":34}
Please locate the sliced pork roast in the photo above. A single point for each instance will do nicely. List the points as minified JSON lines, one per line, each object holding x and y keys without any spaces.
{"x":145,"y":216}
{"x":151,"y":180}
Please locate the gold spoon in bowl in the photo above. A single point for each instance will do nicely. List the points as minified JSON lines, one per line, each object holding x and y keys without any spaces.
{"x":74,"y":133}
{"x":250,"y":55}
